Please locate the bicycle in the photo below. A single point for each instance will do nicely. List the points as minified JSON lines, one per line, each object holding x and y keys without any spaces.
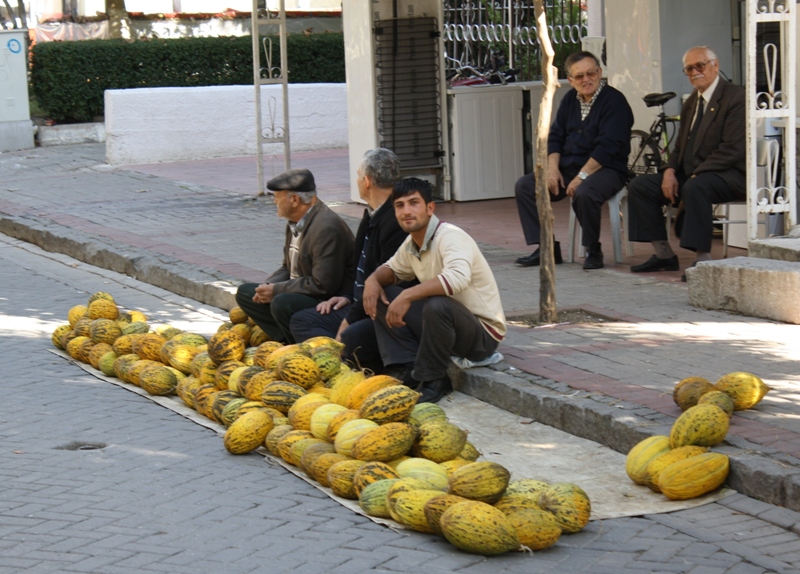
{"x":493,"y":72}
{"x":650,"y":151}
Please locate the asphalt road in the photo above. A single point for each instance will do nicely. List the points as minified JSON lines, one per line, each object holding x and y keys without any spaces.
{"x":162,"y":495}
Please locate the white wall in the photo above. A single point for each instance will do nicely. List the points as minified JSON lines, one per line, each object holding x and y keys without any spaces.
{"x":646,"y":39}
{"x":150,"y":125}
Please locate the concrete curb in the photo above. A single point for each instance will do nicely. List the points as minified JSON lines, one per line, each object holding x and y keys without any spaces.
{"x":181,"y":278}
{"x":68,"y":134}
{"x":756,"y":471}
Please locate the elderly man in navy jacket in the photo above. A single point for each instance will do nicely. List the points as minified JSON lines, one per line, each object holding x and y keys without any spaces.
{"x":588,"y":150}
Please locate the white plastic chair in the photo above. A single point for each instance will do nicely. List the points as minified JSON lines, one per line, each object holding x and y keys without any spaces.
{"x":616,"y":206}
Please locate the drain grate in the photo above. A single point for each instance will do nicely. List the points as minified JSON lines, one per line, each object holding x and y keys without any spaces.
{"x":81,"y":446}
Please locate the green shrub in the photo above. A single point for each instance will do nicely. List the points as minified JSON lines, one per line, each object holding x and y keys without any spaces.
{"x":68,"y":78}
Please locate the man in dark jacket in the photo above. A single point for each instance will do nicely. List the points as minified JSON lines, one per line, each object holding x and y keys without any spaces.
{"x":317,"y":258}
{"x":378,"y":237}
{"x":588,"y":148}
{"x":706,"y":167}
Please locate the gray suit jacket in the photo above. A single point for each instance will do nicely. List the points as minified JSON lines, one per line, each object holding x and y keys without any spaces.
{"x":720,"y":143}
{"x":326,"y":257}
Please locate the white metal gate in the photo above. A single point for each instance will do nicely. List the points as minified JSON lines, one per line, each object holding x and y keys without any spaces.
{"x":775,"y":104}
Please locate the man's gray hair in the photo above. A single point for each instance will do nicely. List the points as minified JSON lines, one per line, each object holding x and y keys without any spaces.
{"x":710,"y":54}
{"x":305,"y":196}
{"x":382,"y":166}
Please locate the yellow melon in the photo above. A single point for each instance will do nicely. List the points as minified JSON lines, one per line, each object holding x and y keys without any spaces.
{"x":745,"y":389}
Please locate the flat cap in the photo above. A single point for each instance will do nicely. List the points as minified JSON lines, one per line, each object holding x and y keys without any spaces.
{"x":293,"y":180}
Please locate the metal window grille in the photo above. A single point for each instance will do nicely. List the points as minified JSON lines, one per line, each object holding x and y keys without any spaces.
{"x":409,"y":113}
{"x":474,"y":28}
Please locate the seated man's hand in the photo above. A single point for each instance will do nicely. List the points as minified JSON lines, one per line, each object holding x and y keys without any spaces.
{"x":342,"y":327}
{"x":264,"y":293}
{"x":669,"y":185}
{"x":573,"y":185}
{"x":555,"y":181}
{"x":332,"y":304}
{"x":372,"y":293}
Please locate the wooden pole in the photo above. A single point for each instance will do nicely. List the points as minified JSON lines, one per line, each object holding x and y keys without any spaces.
{"x":547,"y":267}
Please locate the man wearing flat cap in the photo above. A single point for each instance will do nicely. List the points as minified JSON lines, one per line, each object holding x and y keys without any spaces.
{"x":317,"y":258}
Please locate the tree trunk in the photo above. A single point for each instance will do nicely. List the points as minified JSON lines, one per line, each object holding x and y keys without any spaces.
{"x":547,"y":267}
{"x":11,"y":17}
{"x":119,"y":23}
{"x":23,"y":15}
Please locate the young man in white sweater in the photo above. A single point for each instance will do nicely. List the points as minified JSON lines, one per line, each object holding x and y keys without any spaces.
{"x":455,"y":311}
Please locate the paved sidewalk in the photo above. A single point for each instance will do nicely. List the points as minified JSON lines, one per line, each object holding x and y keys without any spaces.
{"x":197,"y":229}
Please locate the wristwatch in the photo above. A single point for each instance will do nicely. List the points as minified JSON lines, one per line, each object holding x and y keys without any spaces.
{"x":582,"y":175}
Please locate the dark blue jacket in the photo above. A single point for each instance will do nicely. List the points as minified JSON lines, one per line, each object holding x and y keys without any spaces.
{"x":385,"y":237}
{"x":604,"y":135}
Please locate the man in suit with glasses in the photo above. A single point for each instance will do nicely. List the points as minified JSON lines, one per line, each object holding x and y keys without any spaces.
{"x":706,"y":167}
{"x":588,"y":147}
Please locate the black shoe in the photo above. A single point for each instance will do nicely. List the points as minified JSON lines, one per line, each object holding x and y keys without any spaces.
{"x":434,"y":391}
{"x":594,"y":257}
{"x":409,"y":380}
{"x":398,"y":370}
{"x":533,"y":259}
{"x":683,"y":277}
{"x":656,"y":264}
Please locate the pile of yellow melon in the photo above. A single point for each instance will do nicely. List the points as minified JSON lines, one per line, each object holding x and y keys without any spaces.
{"x":680,"y":465}
{"x":365,"y":437}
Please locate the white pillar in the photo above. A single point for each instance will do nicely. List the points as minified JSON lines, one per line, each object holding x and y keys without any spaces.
{"x":596,"y":24}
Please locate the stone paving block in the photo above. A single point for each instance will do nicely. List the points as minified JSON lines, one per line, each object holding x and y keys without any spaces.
{"x":699,"y":550}
{"x":774,"y":542}
{"x":753,"y":556}
{"x":746,"y":568}
{"x":780,"y":516}
{"x":671,"y":521}
{"x":62,"y":557}
{"x":702,"y":569}
{"x":21,"y":564}
{"x":100,"y":563}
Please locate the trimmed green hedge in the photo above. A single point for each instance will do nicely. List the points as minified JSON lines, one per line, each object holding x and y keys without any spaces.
{"x":68,"y":78}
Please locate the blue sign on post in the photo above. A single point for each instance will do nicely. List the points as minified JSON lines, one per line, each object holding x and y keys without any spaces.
{"x":14,"y":46}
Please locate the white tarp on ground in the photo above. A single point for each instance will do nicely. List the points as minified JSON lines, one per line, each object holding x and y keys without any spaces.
{"x":528,"y":449}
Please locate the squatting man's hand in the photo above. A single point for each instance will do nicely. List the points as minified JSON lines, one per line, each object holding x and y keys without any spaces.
{"x":264,"y":293}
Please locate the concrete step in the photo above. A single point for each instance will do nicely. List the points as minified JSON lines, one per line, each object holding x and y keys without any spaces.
{"x":779,"y":248}
{"x":752,"y":286}
{"x":67,"y":134}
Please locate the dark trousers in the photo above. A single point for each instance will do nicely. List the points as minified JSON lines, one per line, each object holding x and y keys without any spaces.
{"x":360,"y":345}
{"x":587,"y":202}
{"x":699,"y":194}
{"x":274,"y":317}
{"x":437,"y":328}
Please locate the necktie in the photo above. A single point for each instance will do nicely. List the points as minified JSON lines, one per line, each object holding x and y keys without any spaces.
{"x":698,"y":118}
{"x":688,"y":153}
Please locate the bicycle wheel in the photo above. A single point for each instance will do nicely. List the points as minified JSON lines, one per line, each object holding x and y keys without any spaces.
{"x":644,"y":156}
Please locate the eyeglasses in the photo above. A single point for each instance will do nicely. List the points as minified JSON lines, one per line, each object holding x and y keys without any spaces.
{"x":590,"y":75}
{"x":699,"y":66}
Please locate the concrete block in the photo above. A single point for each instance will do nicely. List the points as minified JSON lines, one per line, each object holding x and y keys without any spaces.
{"x":779,"y":248}
{"x":747,"y":285}
{"x":68,"y":134}
{"x":16,"y":135}
{"x":150,"y":125}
